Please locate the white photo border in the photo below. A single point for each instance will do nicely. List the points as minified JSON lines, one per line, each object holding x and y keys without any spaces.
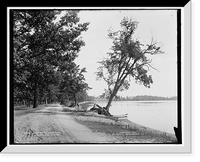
{"x":185,"y":147}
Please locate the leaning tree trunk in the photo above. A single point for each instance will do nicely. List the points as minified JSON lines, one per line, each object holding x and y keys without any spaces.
{"x":111,"y":98}
{"x":109,"y":102}
{"x":35,"y":100}
{"x":115,"y":90}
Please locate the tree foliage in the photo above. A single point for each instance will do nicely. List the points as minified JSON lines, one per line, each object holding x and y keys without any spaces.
{"x":43,"y":44}
{"x":128,"y":59}
{"x":73,"y":84}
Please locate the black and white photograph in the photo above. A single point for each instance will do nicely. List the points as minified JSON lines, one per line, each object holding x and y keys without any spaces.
{"x":95,"y":76}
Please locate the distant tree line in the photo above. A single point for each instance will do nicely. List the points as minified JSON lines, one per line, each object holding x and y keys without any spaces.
{"x":143,"y":98}
{"x":148,"y":98}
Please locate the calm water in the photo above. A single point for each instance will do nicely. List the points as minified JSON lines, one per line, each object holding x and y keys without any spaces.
{"x":161,"y":115}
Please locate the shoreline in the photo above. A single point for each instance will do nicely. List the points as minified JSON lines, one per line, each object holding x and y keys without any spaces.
{"x":125,"y":131}
{"x":86,"y":106}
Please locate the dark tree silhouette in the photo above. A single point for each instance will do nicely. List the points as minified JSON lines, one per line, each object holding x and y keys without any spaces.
{"x":42,"y":43}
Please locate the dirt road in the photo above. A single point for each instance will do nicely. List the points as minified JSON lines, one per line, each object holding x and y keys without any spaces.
{"x":49,"y":124}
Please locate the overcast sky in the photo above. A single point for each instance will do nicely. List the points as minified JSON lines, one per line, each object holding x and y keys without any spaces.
{"x":159,"y":24}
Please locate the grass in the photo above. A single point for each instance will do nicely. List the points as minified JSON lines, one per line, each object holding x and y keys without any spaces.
{"x":125,"y":131}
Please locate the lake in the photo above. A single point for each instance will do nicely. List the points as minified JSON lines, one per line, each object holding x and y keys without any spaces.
{"x":160,"y":115}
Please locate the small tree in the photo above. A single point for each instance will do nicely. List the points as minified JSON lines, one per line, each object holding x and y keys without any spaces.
{"x":73,"y":84}
{"x":127,"y":59}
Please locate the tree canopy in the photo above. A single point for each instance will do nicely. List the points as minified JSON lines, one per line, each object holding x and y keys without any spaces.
{"x":128,"y":59}
{"x":44,"y":49}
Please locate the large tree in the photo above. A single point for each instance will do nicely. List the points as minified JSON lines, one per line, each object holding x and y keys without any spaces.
{"x":42,"y":42}
{"x":128,"y":59}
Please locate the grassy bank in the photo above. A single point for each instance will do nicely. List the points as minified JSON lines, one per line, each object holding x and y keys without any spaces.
{"x":123,"y":130}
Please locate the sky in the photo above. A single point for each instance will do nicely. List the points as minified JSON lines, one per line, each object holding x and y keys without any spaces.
{"x":161,"y":25}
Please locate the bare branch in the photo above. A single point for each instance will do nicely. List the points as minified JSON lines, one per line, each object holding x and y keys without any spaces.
{"x":153,"y":68}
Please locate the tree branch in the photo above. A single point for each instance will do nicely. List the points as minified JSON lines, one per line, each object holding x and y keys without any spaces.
{"x":153,"y":67}
{"x":127,"y":63}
